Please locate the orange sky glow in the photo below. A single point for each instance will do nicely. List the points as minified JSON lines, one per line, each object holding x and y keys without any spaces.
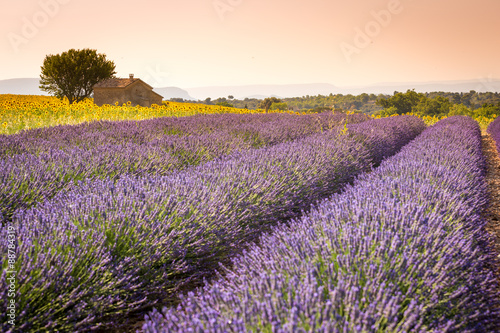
{"x":192,"y":43}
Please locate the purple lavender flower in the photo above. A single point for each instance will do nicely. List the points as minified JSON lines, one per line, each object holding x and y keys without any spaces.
{"x":36,"y":164}
{"x":104,"y":247}
{"x":403,"y":249}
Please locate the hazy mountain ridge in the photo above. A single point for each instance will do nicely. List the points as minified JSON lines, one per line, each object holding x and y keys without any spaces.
{"x":30,"y":86}
{"x":25,"y":86}
{"x":173,"y":92}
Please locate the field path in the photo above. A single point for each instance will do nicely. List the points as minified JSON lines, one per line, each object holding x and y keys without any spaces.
{"x":493,"y":179}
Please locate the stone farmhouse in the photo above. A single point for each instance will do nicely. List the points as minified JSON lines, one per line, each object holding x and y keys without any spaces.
{"x":122,"y":91}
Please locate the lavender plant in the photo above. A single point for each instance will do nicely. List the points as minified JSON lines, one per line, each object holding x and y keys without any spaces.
{"x":404,"y":249}
{"x":257,"y":129}
{"x":494,"y":130}
{"x":108,"y":247}
{"x":35,"y":165}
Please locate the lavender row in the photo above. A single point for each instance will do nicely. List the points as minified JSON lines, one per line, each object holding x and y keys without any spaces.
{"x":99,"y":133}
{"x":402,"y":250}
{"x":107,"y":247}
{"x":28,"y":178}
{"x":257,"y":129}
{"x":494,"y":131}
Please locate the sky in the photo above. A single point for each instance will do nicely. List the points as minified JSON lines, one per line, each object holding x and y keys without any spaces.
{"x":196,"y":43}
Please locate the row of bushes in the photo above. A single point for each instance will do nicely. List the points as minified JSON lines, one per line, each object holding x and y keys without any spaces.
{"x":402,"y":250}
{"x":37,"y":164}
{"x":107,"y":247}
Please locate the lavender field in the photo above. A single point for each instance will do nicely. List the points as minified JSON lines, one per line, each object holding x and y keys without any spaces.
{"x":38,"y":163}
{"x":323,"y":223}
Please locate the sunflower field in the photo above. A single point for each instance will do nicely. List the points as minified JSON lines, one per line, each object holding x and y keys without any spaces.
{"x":22,"y":112}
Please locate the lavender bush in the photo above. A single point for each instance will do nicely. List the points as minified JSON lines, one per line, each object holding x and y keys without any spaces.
{"x":35,"y":165}
{"x":402,"y":250}
{"x":257,"y":129}
{"x":107,"y":247}
{"x":494,"y":131}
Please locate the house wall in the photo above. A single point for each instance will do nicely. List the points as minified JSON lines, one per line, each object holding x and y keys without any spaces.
{"x":110,"y":96}
{"x":155,"y":99}
{"x":137,"y":93}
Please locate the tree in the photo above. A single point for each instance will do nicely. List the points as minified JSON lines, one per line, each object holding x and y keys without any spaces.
{"x":437,"y":106}
{"x":225,"y":103}
{"x":279,"y":106}
{"x":388,"y":111}
{"x":73,"y":73}
{"x":488,"y":111}
{"x":266,"y":103}
{"x":459,"y":110}
{"x":364,"y":98}
{"x":403,"y":102}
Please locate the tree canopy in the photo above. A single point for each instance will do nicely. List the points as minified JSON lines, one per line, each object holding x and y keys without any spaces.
{"x":279,"y":106}
{"x":72,"y":74}
{"x":266,"y":103}
{"x":402,"y":102}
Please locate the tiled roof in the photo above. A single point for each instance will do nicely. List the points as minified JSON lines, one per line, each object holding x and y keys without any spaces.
{"x":115,"y":83}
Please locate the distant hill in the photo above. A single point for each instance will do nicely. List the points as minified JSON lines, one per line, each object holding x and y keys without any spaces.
{"x":263,"y":96}
{"x":480,"y":85}
{"x":263,"y":90}
{"x":299,"y":90}
{"x":29,"y":86}
{"x":173,"y":92}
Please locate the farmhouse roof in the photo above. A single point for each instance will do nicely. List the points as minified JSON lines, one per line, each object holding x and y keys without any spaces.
{"x":118,"y":83}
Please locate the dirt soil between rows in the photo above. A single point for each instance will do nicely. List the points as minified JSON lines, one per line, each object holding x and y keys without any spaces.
{"x":493,"y":180}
